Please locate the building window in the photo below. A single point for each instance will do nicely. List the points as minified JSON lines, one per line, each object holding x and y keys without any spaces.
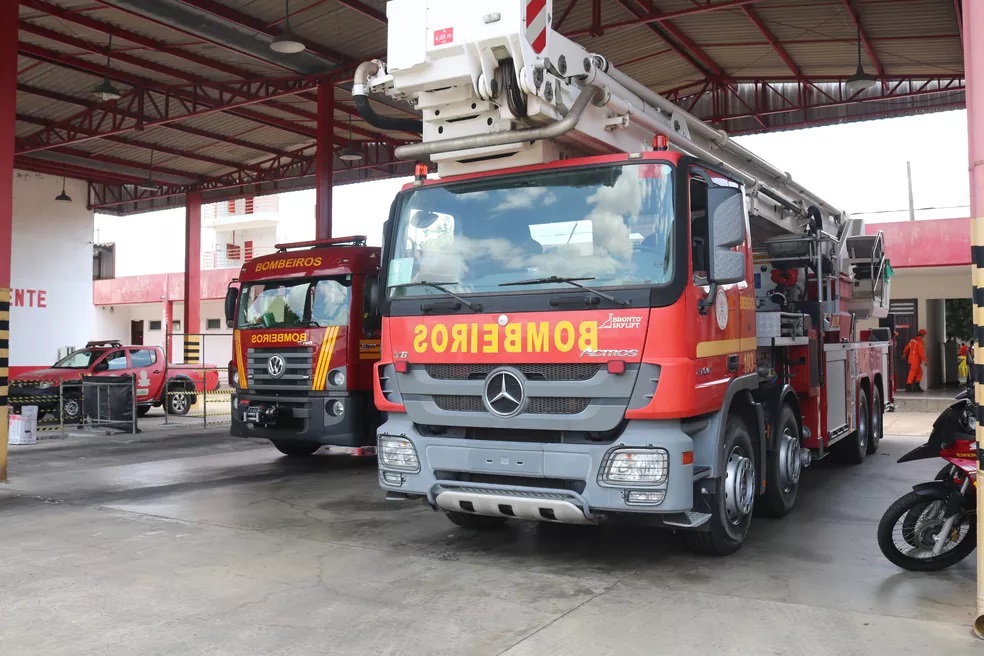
{"x":213,"y":324}
{"x":103,"y":261}
{"x":154,"y":325}
{"x":175,"y":326}
{"x":232,"y":252}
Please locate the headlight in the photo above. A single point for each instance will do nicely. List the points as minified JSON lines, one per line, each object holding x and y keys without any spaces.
{"x":636,"y":467}
{"x":336,"y":408}
{"x":398,"y":453}
{"x":235,"y":378}
{"x":44,"y":384}
{"x":336,"y":378}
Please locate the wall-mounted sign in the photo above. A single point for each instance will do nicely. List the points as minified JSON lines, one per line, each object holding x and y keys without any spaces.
{"x":36,"y":298}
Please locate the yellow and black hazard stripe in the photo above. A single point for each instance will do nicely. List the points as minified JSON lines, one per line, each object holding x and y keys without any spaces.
{"x":240,"y":364}
{"x":192,"y":349}
{"x":4,"y":375}
{"x":324,"y":358}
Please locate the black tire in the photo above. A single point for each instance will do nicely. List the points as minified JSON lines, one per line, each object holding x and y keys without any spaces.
{"x":781,"y":474}
{"x":71,"y":409}
{"x":178,"y":401}
{"x":853,"y":448}
{"x":726,"y":533}
{"x":142,"y":410}
{"x":296,"y":449}
{"x":912,"y":505}
{"x":877,"y":430}
{"x":477,"y":522}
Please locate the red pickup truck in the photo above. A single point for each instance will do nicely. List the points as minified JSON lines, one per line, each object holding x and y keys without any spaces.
{"x":158,"y":383}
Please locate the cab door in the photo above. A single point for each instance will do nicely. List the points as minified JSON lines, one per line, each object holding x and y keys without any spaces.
{"x":724,"y":343}
{"x":148,"y":372}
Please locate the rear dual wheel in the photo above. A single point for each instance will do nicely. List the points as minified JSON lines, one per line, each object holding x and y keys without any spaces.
{"x":783,"y":465}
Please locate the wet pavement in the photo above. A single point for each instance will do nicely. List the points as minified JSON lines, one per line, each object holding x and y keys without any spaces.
{"x":197,"y":543}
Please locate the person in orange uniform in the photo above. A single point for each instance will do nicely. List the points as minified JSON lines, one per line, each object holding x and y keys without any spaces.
{"x":915,"y":354}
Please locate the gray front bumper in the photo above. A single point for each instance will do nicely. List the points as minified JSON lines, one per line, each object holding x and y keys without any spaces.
{"x":520,"y":470}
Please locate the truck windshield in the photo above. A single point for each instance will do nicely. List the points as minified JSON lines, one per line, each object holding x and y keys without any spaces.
{"x":612,"y":225}
{"x":80,"y":359}
{"x":296,"y":303}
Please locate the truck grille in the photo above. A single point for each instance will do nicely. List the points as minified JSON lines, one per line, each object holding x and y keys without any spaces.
{"x":546,"y":372}
{"x":539,"y":405}
{"x":297,"y":373}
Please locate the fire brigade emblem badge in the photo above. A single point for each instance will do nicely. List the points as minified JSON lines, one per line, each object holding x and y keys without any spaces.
{"x":276,"y":366}
{"x":504,"y":393}
{"x":721,"y":309}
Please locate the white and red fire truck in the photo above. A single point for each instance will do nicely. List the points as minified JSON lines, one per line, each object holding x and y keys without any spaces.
{"x":604,"y":307}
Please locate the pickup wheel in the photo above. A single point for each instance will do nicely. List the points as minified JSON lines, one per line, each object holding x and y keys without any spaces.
{"x":142,"y":410}
{"x":71,"y":408}
{"x":477,"y":522}
{"x":852,"y":449}
{"x":732,"y":512}
{"x":296,"y":449}
{"x":178,"y":401}
{"x":782,"y":467}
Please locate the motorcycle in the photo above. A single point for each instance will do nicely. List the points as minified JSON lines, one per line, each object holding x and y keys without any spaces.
{"x":935,"y":525}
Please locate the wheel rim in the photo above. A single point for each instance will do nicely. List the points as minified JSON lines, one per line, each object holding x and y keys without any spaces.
{"x":917,"y":539}
{"x":790,"y":462}
{"x":876,"y":418}
{"x":179,"y":402}
{"x":863,"y":429}
{"x":71,"y":408}
{"x":739,"y":486}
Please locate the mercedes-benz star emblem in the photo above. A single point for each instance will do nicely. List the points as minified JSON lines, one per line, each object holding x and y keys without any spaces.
{"x":276,"y":366}
{"x":504,"y":393}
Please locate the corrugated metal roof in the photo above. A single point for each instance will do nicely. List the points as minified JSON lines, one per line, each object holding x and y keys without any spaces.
{"x":227,"y":40}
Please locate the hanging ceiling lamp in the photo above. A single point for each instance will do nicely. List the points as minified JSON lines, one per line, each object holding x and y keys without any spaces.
{"x":287,"y":42}
{"x":63,"y":197}
{"x":350,"y":153}
{"x":105,"y":90}
{"x":149,"y":184}
{"x":860,"y":81}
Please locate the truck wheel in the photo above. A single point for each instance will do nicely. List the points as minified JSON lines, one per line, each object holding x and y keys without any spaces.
{"x":732,"y":512}
{"x":178,"y":401}
{"x":852,"y":449}
{"x":71,"y":408}
{"x":478,"y":522}
{"x":296,"y":449}
{"x":782,"y":467}
{"x":877,"y":425}
{"x":142,"y":410}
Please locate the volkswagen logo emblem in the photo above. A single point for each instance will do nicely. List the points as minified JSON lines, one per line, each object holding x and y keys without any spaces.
{"x":276,"y":366}
{"x":504,"y":393}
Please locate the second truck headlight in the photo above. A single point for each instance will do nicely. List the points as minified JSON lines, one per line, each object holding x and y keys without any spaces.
{"x":636,"y":467}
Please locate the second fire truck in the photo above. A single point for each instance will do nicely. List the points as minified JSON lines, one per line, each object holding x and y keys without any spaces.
{"x":604,"y":307}
{"x":305,"y":339}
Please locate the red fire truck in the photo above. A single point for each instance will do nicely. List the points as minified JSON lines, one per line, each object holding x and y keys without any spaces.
{"x":604,"y":307}
{"x":305,"y":338}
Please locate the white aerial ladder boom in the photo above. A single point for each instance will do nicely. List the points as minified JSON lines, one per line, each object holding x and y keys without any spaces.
{"x":497,"y":87}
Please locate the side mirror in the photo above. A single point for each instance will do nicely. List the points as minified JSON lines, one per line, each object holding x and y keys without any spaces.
{"x":102,"y":366}
{"x":232,"y":294}
{"x":727,"y":230}
{"x":371,"y":321}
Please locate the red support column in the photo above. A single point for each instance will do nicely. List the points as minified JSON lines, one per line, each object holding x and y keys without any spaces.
{"x":8,"y":112}
{"x":193,"y":278}
{"x":973,"y":25}
{"x":167,"y":320}
{"x":324,"y":160}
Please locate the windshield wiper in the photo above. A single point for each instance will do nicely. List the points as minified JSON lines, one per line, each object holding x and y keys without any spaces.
{"x":569,"y":281}
{"x":440,"y":286}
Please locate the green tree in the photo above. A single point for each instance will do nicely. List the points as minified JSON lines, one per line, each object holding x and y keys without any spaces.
{"x":959,"y":318}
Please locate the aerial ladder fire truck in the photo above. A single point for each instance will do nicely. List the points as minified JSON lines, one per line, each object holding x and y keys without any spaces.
{"x":604,"y":307}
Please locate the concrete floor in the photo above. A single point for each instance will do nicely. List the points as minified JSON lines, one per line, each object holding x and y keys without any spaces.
{"x":201,"y":544}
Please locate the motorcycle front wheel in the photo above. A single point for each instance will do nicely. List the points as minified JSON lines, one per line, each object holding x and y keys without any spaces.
{"x":908,"y":529}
